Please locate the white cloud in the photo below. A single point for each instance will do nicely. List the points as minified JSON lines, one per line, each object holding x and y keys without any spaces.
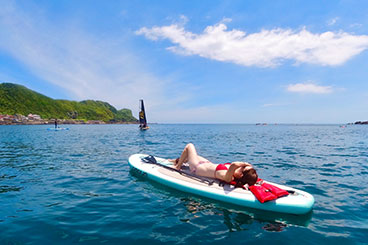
{"x":267,"y":48}
{"x":272,"y":105}
{"x":88,"y":67}
{"x":356,"y":25}
{"x":309,"y":88}
{"x":333,"y":21}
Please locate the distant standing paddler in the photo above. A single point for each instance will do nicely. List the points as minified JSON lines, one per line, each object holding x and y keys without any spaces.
{"x":55,"y":123}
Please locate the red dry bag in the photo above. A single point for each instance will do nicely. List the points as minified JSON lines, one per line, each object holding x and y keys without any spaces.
{"x":265,"y":192}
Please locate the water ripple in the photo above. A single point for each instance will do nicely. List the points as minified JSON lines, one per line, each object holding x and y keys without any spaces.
{"x":76,"y":186}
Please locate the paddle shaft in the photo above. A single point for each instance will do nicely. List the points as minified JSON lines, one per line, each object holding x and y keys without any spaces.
{"x":210,"y":182}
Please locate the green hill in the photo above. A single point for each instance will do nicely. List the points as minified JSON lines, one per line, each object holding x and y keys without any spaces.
{"x":17,"y":99}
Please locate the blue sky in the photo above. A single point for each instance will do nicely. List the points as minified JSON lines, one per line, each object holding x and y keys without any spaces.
{"x":195,"y":61}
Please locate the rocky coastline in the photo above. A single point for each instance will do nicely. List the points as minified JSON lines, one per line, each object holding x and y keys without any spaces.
{"x":33,"y":119}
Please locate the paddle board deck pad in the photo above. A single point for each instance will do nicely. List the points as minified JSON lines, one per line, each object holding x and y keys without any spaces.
{"x":57,"y":129}
{"x":297,"y":202}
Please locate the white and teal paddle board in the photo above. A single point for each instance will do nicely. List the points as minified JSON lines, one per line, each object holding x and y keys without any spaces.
{"x":297,"y":202}
{"x":57,"y":129}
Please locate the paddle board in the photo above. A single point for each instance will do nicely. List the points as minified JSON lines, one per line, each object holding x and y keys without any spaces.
{"x":297,"y":202}
{"x":57,"y":129}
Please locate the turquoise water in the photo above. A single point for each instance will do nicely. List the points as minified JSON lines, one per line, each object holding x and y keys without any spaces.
{"x":76,"y":186}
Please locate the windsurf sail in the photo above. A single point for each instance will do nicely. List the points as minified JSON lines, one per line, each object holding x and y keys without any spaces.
{"x":142,"y":117}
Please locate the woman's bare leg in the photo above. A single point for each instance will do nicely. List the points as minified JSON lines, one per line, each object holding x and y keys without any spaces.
{"x":189,"y":155}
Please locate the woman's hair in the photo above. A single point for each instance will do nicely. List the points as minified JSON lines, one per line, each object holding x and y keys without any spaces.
{"x":249,"y":177}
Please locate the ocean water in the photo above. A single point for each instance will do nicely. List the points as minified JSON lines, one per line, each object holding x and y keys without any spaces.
{"x":76,"y":187}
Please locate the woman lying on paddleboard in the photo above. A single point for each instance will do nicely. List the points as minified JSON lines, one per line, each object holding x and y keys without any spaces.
{"x":240,"y":172}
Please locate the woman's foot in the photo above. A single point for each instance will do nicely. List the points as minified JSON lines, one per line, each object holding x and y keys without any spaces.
{"x":174,"y":161}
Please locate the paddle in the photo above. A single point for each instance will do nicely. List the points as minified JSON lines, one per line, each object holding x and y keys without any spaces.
{"x":152,"y":160}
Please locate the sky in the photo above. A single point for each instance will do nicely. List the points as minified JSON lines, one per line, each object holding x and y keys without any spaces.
{"x":205,"y":61}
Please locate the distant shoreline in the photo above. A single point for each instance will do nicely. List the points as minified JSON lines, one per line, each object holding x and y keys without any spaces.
{"x":34,"y":119}
{"x":62,"y":123}
{"x":37,"y":120}
{"x":97,"y":122}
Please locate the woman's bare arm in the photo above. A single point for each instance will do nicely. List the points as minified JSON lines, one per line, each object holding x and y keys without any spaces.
{"x":234,"y":166}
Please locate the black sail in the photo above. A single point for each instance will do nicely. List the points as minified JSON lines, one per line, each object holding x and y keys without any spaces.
{"x":142,"y":115}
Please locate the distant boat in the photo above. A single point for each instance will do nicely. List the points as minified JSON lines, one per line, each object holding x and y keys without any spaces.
{"x":142,"y":117}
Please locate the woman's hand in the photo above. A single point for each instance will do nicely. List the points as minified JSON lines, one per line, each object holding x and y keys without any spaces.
{"x":242,"y":164}
{"x":175,"y":163}
{"x":236,"y":169}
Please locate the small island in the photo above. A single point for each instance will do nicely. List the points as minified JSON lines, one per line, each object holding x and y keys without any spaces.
{"x":360,"y":122}
{"x":20,"y":105}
